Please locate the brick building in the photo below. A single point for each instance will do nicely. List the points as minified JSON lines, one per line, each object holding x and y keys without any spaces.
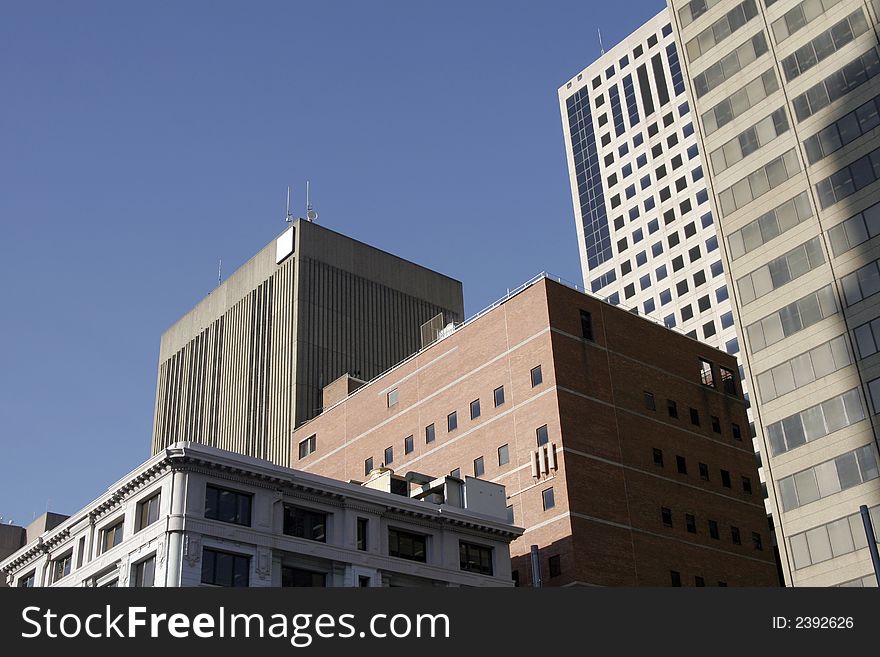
{"x":623,"y":446}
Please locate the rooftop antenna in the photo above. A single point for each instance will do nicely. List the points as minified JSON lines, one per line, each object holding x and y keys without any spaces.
{"x":601,"y":47}
{"x":219,"y":272}
{"x":289,"y":216}
{"x":311,"y":215}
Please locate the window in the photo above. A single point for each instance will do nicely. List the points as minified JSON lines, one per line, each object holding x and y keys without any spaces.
{"x":555,"y":565}
{"x":406,"y":545}
{"x":862,"y":283}
{"x":749,"y":141}
{"x":734,"y":536}
{"x":389,"y":455}
{"x":722,"y":28}
{"x":713,"y":529}
{"x":675,"y":577}
{"x":740,"y":101}
{"x":299,"y":577}
{"x":308,"y":445}
{"x":716,"y":424}
{"x":770,"y":225}
{"x":681,"y":465}
{"x":691,"y":523}
{"x":429,"y":433}
{"x":836,"y":85}
{"x":362,"y":528}
{"x":649,"y":401}
{"x":586,"y":325}
{"x":857,"y":229}
{"x":547,"y":499}
{"x":704,"y":472}
{"x":747,"y":485}
{"x":784,"y":269}
{"x":503,"y":455}
{"x":658,"y":457}
{"x":225,"y":569}
{"x":672,"y":408}
{"x":728,"y":381}
{"x":61,"y":566}
{"x":452,"y":421}
{"x":144,"y":573}
{"x":368,"y":465}
{"x":756,"y":541}
{"x":725,"y":478}
{"x":27,"y":581}
{"x":542,"y":435}
{"x":475,"y":558}
{"x":498,"y":394}
{"x":510,"y":516}
{"x":803,"y":369}
{"x":475,"y":409}
{"x":699,"y":581}
{"x":843,"y":472}
{"x":834,"y":539}
{"x":815,"y":422}
{"x":666,"y":516}
{"x":227,"y":505}
{"x":706,"y":377}
{"x":392,"y":398}
{"x":695,"y":417}
{"x":305,"y":523}
{"x":111,"y":536}
{"x":537,"y":378}
{"x":147,"y":512}
{"x":408,"y":445}
{"x":479,"y":467}
{"x":456,"y":474}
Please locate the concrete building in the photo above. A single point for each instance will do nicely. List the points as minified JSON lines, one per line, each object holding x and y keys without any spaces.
{"x":248,"y":363}
{"x":785,"y":95}
{"x":622,"y":445}
{"x":13,"y":537}
{"x":194,"y":515}
{"x":646,"y":232}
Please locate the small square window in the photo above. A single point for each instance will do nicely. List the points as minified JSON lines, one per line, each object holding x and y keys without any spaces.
{"x":687,"y":312}
{"x":547,"y":499}
{"x":652,"y":40}
{"x":456,"y":474}
{"x":537,"y":377}
{"x":308,"y":446}
{"x":658,"y":457}
{"x":637,"y":52}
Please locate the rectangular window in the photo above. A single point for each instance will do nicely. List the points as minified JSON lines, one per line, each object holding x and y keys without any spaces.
{"x":749,"y":141}
{"x":228,"y":505}
{"x":720,"y":29}
{"x":479,"y":467}
{"x":834,"y":539}
{"x":392,"y":398}
{"x":429,"y":433}
{"x":475,"y":409}
{"x":537,"y":377}
{"x":586,"y":325}
{"x":716,"y":424}
{"x":111,"y":536}
{"x":713,"y":529}
{"x":406,"y":545}
{"x":803,"y":369}
{"x":747,"y":485}
{"x":695,"y":417}
{"x":541,"y":435}
{"x":456,"y":474}
{"x":824,"y":45}
{"x":837,"y":85}
{"x":691,"y":523}
{"x":857,"y":229}
{"x":730,"y":64}
{"x":308,"y":446}
{"x":144,"y":573}
{"x":305,"y":523}
{"x":225,"y":568}
{"x":475,"y":558}
{"x":757,"y":543}
{"x":649,"y":401}
{"x":503,"y":455}
{"x":706,"y":377}
{"x":389,"y":455}
{"x":704,"y":471}
{"x":843,"y":472}
{"x":734,"y":536}
{"x":681,"y":465}
{"x":666,"y":516}
{"x":368,"y":465}
{"x":815,"y":422}
{"x":555,"y":565}
{"x":782,"y":270}
{"x":725,"y":478}
{"x":299,"y":577}
{"x":27,"y":581}
{"x":792,"y":318}
{"x":862,"y":283}
{"x":740,"y":101}
{"x":452,"y":421}
{"x":675,"y":577}
{"x":735,"y":430}
{"x":759,"y":182}
{"x":498,"y":395}
{"x":770,"y":225}
{"x":672,"y":408}
{"x":362,"y":527}
{"x":547,"y":498}
{"x":147,"y":512}
{"x":408,"y":445}
{"x":728,"y":381}
{"x":61,"y":566}
{"x":658,"y":457}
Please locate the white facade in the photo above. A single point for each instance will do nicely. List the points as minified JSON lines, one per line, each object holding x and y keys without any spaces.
{"x":194,"y":515}
{"x":785,"y":97}
{"x":646,"y":231}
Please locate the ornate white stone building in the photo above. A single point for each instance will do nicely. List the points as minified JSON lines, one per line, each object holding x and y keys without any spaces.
{"x":194,"y":515}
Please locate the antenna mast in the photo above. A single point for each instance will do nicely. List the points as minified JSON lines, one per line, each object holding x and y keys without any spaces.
{"x":288,"y":216}
{"x":311,"y":215}
{"x":601,"y":47}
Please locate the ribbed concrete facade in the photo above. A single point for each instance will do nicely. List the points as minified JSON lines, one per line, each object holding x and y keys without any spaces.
{"x":789,"y":132}
{"x":248,"y":363}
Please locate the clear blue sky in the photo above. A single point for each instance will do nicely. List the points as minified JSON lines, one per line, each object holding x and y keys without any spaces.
{"x":141,"y":142}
